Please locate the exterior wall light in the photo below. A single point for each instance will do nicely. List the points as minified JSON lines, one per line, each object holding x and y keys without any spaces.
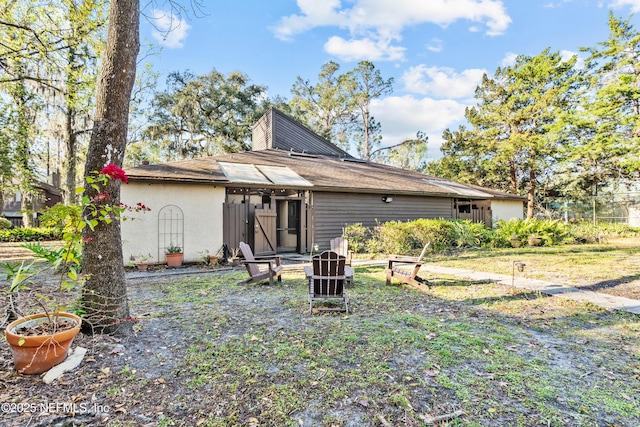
{"x":387,"y":199}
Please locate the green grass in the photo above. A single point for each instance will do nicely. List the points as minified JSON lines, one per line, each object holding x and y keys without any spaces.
{"x":611,"y":267}
{"x":503,"y":356}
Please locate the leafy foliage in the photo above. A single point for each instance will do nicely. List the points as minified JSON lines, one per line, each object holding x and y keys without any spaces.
{"x":552,"y":232}
{"x":24,"y":234}
{"x":357,"y":235}
{"x":5,"y":224}
{"x":409,"y":237}
{"x":515,"y":126}
{"x":204,"y":115}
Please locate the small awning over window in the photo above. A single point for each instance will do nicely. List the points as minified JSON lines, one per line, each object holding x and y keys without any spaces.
{"x":262,"y":174}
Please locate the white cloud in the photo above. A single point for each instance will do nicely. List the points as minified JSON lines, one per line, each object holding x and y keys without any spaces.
{"x":169,"y":30}
{"x":403,"y":116}
{"x":435,"y":45}
{"x":442,"y":82}
{"x":509,"y":59}
{"x":380,"y":22}
{"x":568,"y":54}
{"x":633,"y":4}
{"x":314,"y":14}
{"x":356,"y":50}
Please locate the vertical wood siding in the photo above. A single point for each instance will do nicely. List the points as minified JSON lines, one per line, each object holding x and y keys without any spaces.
{"x":277,"y":130}
{"x":332,"y":211}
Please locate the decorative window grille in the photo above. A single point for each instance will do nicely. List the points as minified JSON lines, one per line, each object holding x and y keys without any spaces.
{"x":170,"y":229}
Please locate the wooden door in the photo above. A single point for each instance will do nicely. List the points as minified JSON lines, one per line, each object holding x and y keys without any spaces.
{"x":264,"y":231}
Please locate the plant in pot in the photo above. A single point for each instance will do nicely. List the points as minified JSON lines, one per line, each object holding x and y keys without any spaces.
{"x":234,"y":259}
{"x":515,"y":241}
{"x":41,"y":340}
{"x":141,"y":261}
{"x":534,"y":240}
{"x":208,"y":259}
{"x":174,"y":256}
{"x":215,"y":259}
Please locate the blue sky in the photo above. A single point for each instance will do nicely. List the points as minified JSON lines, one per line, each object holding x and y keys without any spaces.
{"x":436,"y":50}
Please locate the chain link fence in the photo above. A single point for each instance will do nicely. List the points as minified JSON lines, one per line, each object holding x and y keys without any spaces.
{"x":621,"y":208}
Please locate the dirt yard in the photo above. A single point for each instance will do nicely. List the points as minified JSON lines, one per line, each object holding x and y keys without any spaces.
{"x":203,"y":350}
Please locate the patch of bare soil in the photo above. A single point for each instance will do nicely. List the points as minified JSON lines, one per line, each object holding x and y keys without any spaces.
{"x":202,"y":350}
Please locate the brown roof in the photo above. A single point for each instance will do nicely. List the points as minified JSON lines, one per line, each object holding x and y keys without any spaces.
{"x":322,"y":172}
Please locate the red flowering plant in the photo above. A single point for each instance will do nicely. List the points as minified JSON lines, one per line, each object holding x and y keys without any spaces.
{"x":71,"y":220}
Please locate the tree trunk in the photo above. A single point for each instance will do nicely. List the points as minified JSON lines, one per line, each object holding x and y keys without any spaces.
{"x":71,"y":95}
{"x":531,"y":196}
{"x":70,"y":138}
{"x":365,"y":139}
{"x":104,"y":295}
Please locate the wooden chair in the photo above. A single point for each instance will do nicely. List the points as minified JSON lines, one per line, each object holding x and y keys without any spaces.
{"x":326,"y":279}
{"x":260,"y":268}
{"x":340,"y":246}
{"x":409,"y":276}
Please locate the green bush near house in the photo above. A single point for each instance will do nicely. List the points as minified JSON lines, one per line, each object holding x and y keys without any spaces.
{"x":5,"y":224}
{"x":357,"y":235}
{"x":29,"y":234}
{"x":397,"y":237}
{"x":552,"y":232}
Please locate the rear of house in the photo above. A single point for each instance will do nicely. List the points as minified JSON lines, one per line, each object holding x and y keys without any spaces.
{"x":292,"y":192}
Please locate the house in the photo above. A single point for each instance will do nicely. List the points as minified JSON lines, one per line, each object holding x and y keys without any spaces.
{"x":292,"y":192}
{"x":45,"y":195}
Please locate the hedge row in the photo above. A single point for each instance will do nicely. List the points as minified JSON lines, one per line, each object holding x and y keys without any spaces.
{"x":29,"y":234}
{"x":408,"y":237}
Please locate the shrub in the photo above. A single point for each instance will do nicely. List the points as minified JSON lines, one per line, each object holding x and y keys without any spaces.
{"x":409,"y":237}
{"x":357,"y":235}
{"x":551,"y":231}
{"x":29,"y":234}
{"x":61,"y":217}
{"x":586,"y":232}
{"x":439,"y":232}
{"x":470,"y":234}
{"x":391,"y":237}
{"x":5,"y":224}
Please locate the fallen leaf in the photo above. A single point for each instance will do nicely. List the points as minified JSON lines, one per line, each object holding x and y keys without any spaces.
{"x":431,"y":372}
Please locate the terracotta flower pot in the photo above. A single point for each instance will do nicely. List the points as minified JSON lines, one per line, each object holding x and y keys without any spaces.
{"x":174,"y":259}
{"x":39,"y":353}
{"x":142,"y":266}
{"x":534,"y":241}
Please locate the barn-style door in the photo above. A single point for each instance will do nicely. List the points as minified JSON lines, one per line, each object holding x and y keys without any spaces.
{"x":264,"y":236}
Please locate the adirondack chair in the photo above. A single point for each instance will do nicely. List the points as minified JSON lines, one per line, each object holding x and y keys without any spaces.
{"x":340,"y":245}
{"x":397,"y":268}
{"x":260,"y":268}
{"x":326,"y":279}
